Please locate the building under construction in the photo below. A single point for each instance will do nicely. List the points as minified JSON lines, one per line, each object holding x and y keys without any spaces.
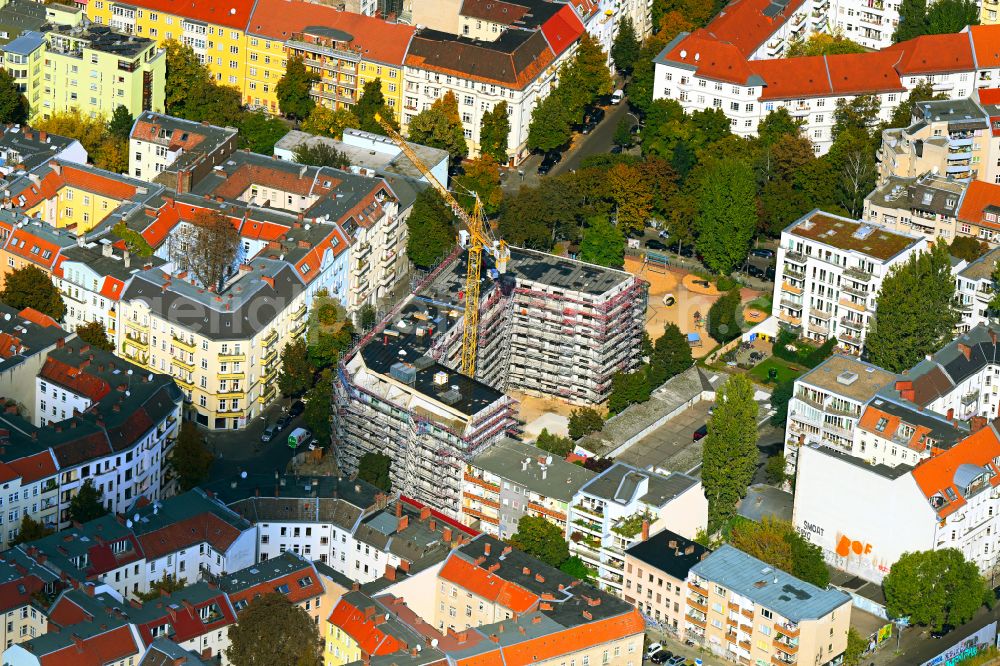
{"x":549,"y":326}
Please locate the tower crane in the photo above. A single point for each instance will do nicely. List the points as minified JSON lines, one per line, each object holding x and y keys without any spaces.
{"x":480,"y":237}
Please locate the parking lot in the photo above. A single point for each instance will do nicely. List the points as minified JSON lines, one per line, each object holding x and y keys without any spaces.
{"x":662,"y":447}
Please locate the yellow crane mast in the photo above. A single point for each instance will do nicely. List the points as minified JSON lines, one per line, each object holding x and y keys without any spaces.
{"x":480,"y":236}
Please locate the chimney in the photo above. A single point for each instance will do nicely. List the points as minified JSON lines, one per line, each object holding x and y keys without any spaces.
{"x":645,"y":530}
{"x":43,"y":135}
{"x":486,"y":549}
{"x":390,"y":572}
{"x":399,"y":509}
{"x":425,"y":513}
{"x":951,"y":414}
{"x":268,"y":280}
{"x":404,"y":566}
{"x":446,"y":535}
{"x":993,"y":337}
{"x":403,"y":523}
{"x":966,"y":350}
{"x":355,"y":586}
{"x":540,"y":578}
{"x":537,"y":619}
{"x":106,"y":249}
{"x":977,"y":423}
{"x":587,"y":615}
{"x":433,"y":525}
{"x":526,"y":571}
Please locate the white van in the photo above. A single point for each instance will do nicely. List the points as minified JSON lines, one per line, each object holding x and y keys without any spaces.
{"x":617,"y":96}
{"x":298,"y":437}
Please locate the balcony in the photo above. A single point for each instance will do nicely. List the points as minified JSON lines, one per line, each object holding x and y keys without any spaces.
{"x":693,"y":618}
{"x":795,"y":257}
{"x":180,"y":343}
{"x":181,"y":363}
{"x":795,"y":272}
{"x":298,"y":329}
{"x":695,"y":587}
{"x":299,"y":312}
{"x":791,"y":288}
{"x":789,"y":647}
{"x":269,"y":339}
{"x":850,"y":323}
{"x":847,"y":303}
{"x":268,"y":355}
{"x":232,"y":358}
{"x":698,"y":603}
{"x":783,"y":660}
{"x":590,"y":509}
{"x":858,"y":274}
{"x":789,"y":629}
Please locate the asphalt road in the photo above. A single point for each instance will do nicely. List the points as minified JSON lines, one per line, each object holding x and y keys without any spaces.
{"x":242,"y":450}
{"x":916,"y":647}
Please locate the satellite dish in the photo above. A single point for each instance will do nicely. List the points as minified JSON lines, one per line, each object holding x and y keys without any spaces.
{"x":135,"y":518}
{"x":130,"y":371}
{"x":434,"y":642}
{"x":243,"y":475}
{"x":128,"y":524}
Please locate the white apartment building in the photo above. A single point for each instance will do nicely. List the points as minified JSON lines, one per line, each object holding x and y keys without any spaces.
{"x":830,"y":270}
{"x":924,"y":206}
{"x":622,"y":506}
{"x":974,"y":289}
{"x":174,"y":151}
{"x":702,"y":72}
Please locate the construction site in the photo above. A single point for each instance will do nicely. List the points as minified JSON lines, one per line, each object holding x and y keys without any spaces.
{"x":547,"y":326}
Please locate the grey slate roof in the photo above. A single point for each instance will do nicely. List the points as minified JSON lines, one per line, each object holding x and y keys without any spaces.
{"x":23,"y":146}
{"x":622,"y":483}
{"x":506,"y":459}
{"x":675,"y":560}
{"x":780,"y":592}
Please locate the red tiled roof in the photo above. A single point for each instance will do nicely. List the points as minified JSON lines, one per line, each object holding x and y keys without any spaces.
{"x":75,"y":379}
{"x":112,"y":288}
{"x":245,"y":175}
{"x":66,"y":612}
{"x":24,"y":244}
{"x":712,"y":59}
{"x":979,"y":195}
{"x":487,"y":585}
{"x":794,"y":78}
{"x":204,"y":527}
{"x":36,"y":317}
{"x":743,"y":23}
{"x":334,"y":242}
{"x":96,"y":183}
{"x":296,"y":593}
{"x":177,"y":138}
{"x":374,"y":39}
{"x":371,"y":640}
{"x":165,"y":220}
{"x":185,"y":619}
{"x":230,"y":13}
{"x":34,"y":467}
{"x":857,"y":73}
{"x":936,"y":474}
{"x":103,"y":559}
{"x":986,"y":44}
{"x":930,"y":54}
{"x":563,"y":29}
{"x":440,"y":517}
{"x":17,"y":593}
{"x":105,"y":648}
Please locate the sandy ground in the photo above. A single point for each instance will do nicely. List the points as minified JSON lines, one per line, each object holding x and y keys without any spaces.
{"x":538,"y":413}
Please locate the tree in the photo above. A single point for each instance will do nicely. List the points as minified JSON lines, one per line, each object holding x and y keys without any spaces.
{"x":273,"y":630}
{"x":542,"y":539}
{"x":134,"y":242}
{"x":912,"y":20}
{"x":371,"y":102}
{"x":321,"y":155}
{"x":440,"y":126}
{"x":554,"y":444}
{"x":948,"y":16}
{"x":576,"y":568}
{"x":87,"y":504}
{"x":318,"y":415}
{"x":625,"y":49}
{"x":94,"y":334}
{"x":583,"y":421}
{"x":293,"y":88}
{"x":628,"y":388}
{"x":603,"y":244}
{"x":915,"y":311}
{"x":779,"y":544}
{"x":780,"y":396}
{"x":482,"y":176}
{"x":121,"y":122}
{"x":588,"y":76}
{"x":494,"y":133}
{"x":367,"y":317}
{"x":13,"y":104}
{"x":190,"y":459}
{"x":968,"y":248}
{"x":167,"y":584}
{"x":729,"y":457}
{"x":902,"y":115}
{"x":375,"y":469}
{"x":327,"y":122}
{"x":934,"y":588}
{"x":207,"y":247}
{"x":807,"y":560}
{"x":90,"y":132}
{"x":431,"y":229}
{"x":330,"y":331}
{"x":778,"y":125}
{"x":727,"y":215}
{"x":856,"y":648}
{"x":640,"y":87}
{"x":296,"y":370}
{"x":775,"y":469}
{"x":632,"y":197}
{"x":552,"y":122}
{"x":623,"y":133}
{"x":724,"y":317}
{"x":30,"y":530}
{"x":192,"y":93}
{"x":671,"y":356}
{"x":538,"y":217}
{"x":260,"y":131}
{"x":821,"y":43}
{"x":112,"y":155}
{"x":31,"y":287}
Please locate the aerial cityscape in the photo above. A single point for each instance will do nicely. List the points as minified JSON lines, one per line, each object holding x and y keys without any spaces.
{"x":499,"y":332}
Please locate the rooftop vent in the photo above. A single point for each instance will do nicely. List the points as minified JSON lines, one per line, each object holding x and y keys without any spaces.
{"x":864,"y":231}
{"x":847,"y":378}
{"x":404,"y":372}
{"x":440,"y":378}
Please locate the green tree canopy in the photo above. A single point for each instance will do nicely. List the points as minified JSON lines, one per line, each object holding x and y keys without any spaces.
{"x":935,"y":588}
{"x":167,"y":583}
{"x":134,"y":241}
{"x":542,"y":539}
{"x":375,"y":469}
{"x":821,"y":43}
{"x":440,"y":126}
{"x":724,"y":317}
{"x":190,"y":459}
{"x":293,"y":89}
{"x":729,"y":456}
{"x":780,"y":396}
{"x":494,"y":132}
{"x":778,"y":543}
{"x":626,"y":47}
{"x":31,"y":287}
{"x":727,"y":216}
{"x":30,"y":530}
{"x":121,"y":122}
{"x":915,"y":311}
{"x":628,"y":388}
{"x":13,"y":104}
{"x":555,"y":444}
{"x":320,"y":154}
{"x":296,"y":373}
{"x":552,"y":122}
{"x":260,"y":131}
{"x":482,"y":176}
{"x":318,"y":415}
{"x":273,"y":630}
{"x":87,"y":504}
{"x":671,"y":356}
{"x":327,"y":122}
{"x":968,"y":248}
{"x":603,"y":244}
{"x":193,"y":94}
{"x":902,"y":115}
{"x":431,"y":229}
{"x":367,"y":317}
{"x":372,"y":101}
{"x":583,"y":421}
{"x":623,"y":133}
{"x":330,"y":330}
{"x":94,"y":334}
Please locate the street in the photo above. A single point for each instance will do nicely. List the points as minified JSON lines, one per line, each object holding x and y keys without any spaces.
{"x":240,"y":450}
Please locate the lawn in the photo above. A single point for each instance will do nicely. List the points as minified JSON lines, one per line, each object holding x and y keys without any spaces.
{"x":785,"y":370}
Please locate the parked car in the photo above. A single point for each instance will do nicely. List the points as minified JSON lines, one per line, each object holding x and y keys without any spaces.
{"x":592,"y":120}
{"x":269,"y":432}
{"x":661,"y":657}
{"x":617,"y":96}
{"x":676,"y":660}
{"x":297,"y":408}
{"x":652,"y":649}
{"x":664,"y":234}
{"x":942,"y":632}
{"x":654,"y":244}
{"x":700,"y":433}
{"x":283,"y":421}
{"x":687,"y":251}
{"x":769,"y":273}
{"x":550,"y":160}
{"x":762,"y":252}
{"x":617,"y":150}
{"x":755,"y":271}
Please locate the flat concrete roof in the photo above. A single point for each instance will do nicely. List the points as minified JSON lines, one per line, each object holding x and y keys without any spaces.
{"x":849,"y":377}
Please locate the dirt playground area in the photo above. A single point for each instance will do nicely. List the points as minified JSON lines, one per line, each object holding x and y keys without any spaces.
{"x":691,"y":298}
{"x":543,"y":413}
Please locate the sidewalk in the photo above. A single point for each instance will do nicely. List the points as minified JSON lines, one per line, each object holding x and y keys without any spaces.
{"x":675,"y":646}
